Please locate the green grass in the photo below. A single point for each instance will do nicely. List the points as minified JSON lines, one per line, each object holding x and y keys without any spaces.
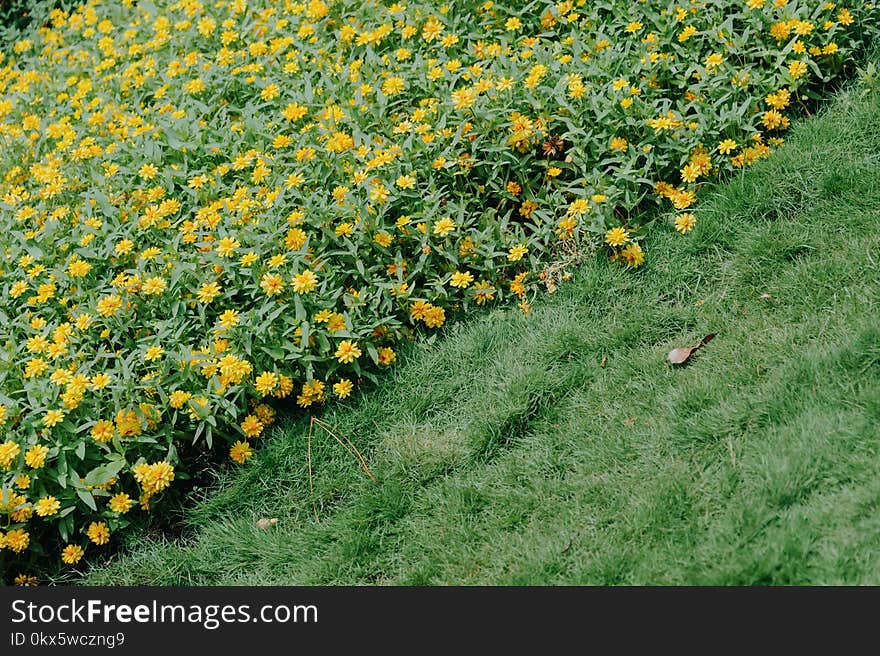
{"x":506,"y":453}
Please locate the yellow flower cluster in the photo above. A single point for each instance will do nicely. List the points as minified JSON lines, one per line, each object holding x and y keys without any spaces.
{"x":208,"y":208}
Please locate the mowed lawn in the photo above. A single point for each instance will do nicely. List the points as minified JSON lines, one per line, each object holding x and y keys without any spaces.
{"x":561,"y":448}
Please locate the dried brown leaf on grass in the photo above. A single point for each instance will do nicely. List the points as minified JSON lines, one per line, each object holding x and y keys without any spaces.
{"x":683,"y":354}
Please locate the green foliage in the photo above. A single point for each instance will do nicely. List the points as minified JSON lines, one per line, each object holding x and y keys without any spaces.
{"x":560,"y":448}
{"x":208,"y":208}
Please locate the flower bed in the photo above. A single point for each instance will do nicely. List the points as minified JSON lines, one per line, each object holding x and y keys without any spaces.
{"x":210,"y":211}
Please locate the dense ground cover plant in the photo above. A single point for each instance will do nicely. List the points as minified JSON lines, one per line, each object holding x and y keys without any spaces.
{"x":555,"y":449}
{"x":209,"y":208}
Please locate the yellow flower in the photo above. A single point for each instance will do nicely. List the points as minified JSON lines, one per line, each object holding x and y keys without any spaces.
{"x":47,"y":506}
{"x":208,"y":292}
{"x":228,"y":319}
{"x":153,"y":353}
{"x":251,"y":426}
{"x":103,"y":431}
{"x":444,"y":226}
{"x":406,"y":181}
{"x":296,"y":239}
{"x":120,"y":503}
{"x":618,"y":143}
{"x":305,"y":282}
{"x":265,"y":413}
{"x":37,"y":343}
{"x":194,"y":86}
{"x":727,"y":146}
{"x":461,"y":279}
{"x":393,"y":85}
{"x":347,"y":352}
{"x":687,"y":33}
{"x":516,"y":253}
{"x":617,"y":237}
{"x":154,"y":286}
{"x":25,"y":580}
{"x":109,"y":305}
{"x":272,"y":284}
{"x":779,"y":100}
{"x":685,"y":222}
{"x":35,"y":367}
{"x":383,"y":239}
{"x":23,"y":512}
{"x":78,"y":268}
{"x":432,"y":29}
{"x":100,"y":381}
{"x":72,"y":554}
{"x":682,"y":199}
{"x":148,"y":172}
{"x":797,"y":69}
{"x":285,"y":387}
{"x":434,"y":316}
{"x":53,"y":418}
{"x":240,"y":451}
{"x":378,"y":193}
{"x":690,"y":173}
{"x":266,"y":382}
{"x":312,"y":392}
{"x":227,"y":246}
{"x":294,"y":112}
{"x":153,"y":478}
{"x":343,"y":388}
{"x":714,"y":60}
{"x":632,"y":255}
{"x":387,"y":356}
{"x":35,"y":457}
{"x":98,"y":533}
{"x":17,"y":540}
{"x":124,"y":247}
{"x":517,"y":285}
{"x":127,"y":423}
{"x":276,"y":261}
{"x":178,"y":398}
{"x":578,"y":207}
{"x":773,"y":120}
{"x":483,"y":292}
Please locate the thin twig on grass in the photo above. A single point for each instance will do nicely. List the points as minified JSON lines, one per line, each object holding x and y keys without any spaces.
{"x":348,"y":445}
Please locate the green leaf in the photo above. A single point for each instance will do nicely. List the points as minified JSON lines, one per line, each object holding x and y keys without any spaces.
{"x":298,"y":308}
{"x":305,"y":334}
{"x":87,"y":499}
{"x":104,"y":473}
